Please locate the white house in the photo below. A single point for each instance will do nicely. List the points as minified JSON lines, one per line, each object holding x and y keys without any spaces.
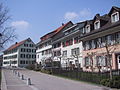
{"x":68,"y":49}
{"x":20,"y":54}
{"x":44,"y":53}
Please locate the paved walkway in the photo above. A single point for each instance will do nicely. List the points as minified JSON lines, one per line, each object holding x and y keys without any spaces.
{"x":42,"y":81}
{"x":10,"y":81}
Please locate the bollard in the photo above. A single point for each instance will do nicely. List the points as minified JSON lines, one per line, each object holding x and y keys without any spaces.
{"x":22,"y":77}
{"x":18,"y":74}
{"x":28,"y":81}
{"x":15,"y":72}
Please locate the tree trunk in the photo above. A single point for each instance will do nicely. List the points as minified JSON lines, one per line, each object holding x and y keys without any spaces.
{"x":110,"y":64}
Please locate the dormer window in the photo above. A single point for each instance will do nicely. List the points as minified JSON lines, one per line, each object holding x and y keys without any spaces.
{"x":115,"y":17}
{"x":97,"y":25}
{"x":87,"y":28}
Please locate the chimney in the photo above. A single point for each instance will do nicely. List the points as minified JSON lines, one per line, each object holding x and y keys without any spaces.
{"x":0,"y":34}
{"x":98,"y":15}
{"x":15,"y":42}
{"x":62,"y":24}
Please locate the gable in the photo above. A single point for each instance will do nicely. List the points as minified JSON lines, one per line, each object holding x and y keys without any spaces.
{"x":113,"y":10}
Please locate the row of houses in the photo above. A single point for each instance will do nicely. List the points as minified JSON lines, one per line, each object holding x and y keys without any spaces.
{"x":81,"y":45}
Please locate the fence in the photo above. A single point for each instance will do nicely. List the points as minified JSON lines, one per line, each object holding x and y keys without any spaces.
{"x":84,"y":76}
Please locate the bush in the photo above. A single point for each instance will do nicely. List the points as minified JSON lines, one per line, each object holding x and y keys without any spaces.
{"x":46,"y":71}
{"x":114,"y":83}
{"x":31,"y":67}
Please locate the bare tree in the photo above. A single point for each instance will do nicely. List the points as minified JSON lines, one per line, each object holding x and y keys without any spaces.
{"x":91,"y":58}
{"x":6,"y":32}
{"x":110,"y":47}
{"x":109,"y":51}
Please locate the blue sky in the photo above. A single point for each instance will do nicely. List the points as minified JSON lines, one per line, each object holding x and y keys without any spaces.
{"x":34,"y":18}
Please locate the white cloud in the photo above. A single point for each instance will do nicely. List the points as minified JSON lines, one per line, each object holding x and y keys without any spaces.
{"x":20,"y":24}
{"x":85,"y":13}
{"x":70,"y":15}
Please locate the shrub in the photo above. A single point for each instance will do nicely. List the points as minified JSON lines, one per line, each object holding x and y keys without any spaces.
{"x":114,"y":83}
{"x":31,"y":67}
{"x":46,"y":71}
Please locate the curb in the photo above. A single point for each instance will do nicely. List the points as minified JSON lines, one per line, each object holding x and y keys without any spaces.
{"x":3,"y":82}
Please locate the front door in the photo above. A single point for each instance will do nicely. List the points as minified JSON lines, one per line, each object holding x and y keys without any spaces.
{"x":118,"y":60}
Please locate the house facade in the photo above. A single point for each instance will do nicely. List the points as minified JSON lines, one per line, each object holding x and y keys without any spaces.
{"x":44,"y":54}
{"x":69,"y":47}
{"x":101,"y":38}
{"x":20,"y":54}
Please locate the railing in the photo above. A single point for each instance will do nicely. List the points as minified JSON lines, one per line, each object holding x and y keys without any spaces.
{"x":93,"y":77}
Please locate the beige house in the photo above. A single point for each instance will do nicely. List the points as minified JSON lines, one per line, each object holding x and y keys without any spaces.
{"x":98,"y":34}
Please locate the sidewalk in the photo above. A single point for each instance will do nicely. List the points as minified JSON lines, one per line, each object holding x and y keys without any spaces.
{"x":12,"y":82}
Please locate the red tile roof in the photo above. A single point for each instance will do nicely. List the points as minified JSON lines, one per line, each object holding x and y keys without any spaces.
{"x":54,"y":32}
{"x":15,"y":45}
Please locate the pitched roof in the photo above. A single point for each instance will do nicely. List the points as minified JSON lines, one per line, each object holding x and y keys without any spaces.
{"x":49,"y":35}
{"x":16,"y":45}
{"x":114,"y":8}
{"x":61,"y":27}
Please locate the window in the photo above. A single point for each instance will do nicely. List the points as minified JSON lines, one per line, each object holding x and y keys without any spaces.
{"x":84,"y":45}
{"x":26,"y":62}
{"x":87,"y":61}
{"x":87,"y":45}
{"x":93,"y":44}
{"x":87,"y":28}
{"x":75,"y":51}
{"x":99,"y":42}
{"x":109,"y":39}
{"x":65,"y":53}
{"x":117,"y":37}
{"x":37,"y":56}
{"x":33,"y":56}
{"x":21,"y":49}
{"x":115,"y":17}
{"x":14,"y":62}
{"x":59,"y":44}
{"x":22,"y":62}
{"x":101,"y":61}
{"x":28,"y":56}
{"x":58,"y":53}
{"x":6,"y":62}
{"x":63,"y":44}
{"x":97,"y":25}
{"x":21,"y":55}
{"x":33,"y":50}
{"x":55,"y":54}
{"x":42,"y":52}
{"x":76,"y":40}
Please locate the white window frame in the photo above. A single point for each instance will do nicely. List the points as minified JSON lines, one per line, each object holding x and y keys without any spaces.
{"x":87,"y":28}
{"x":95,"y":25}
{"x":116,"y":18}
{"x":65,"y":53}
